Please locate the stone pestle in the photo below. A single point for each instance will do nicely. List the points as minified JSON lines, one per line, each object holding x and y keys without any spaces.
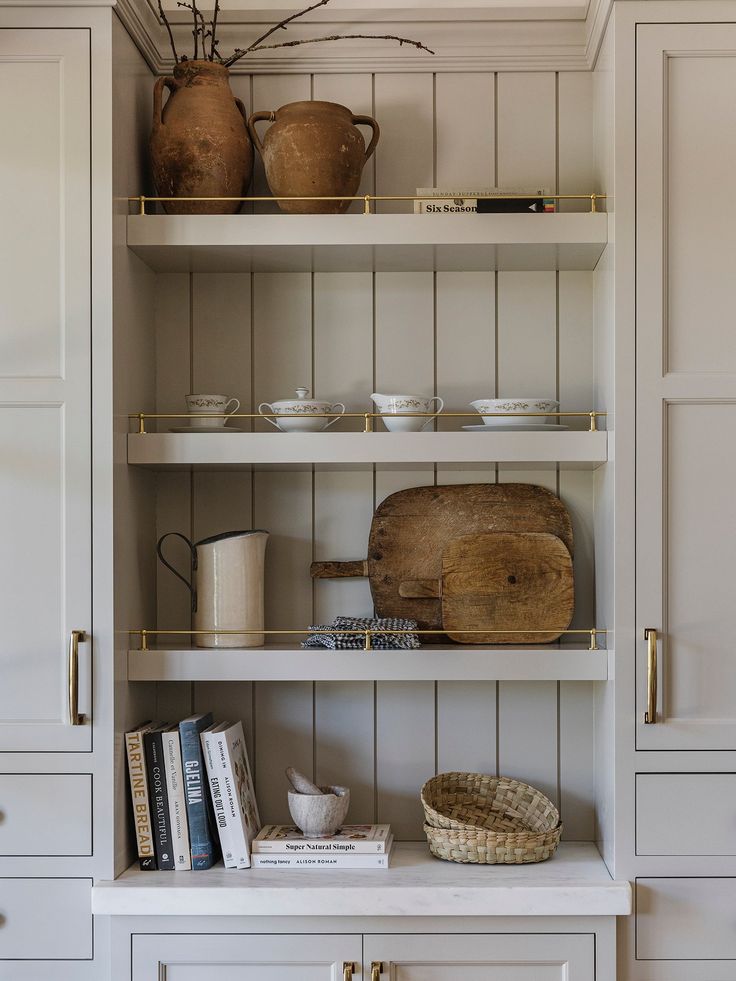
{"x":301,"y":784}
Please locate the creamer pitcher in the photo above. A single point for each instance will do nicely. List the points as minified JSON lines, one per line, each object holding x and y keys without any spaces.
{"x":227,"y":573}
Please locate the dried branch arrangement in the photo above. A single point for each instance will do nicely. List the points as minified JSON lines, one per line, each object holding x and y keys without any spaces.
{"x":206,"y":42}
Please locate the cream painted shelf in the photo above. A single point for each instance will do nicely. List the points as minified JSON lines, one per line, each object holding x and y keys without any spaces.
{"x":575,"y":882}
{"x":238,"y":451}
{"x":354,"y":243}
{"x":432,"y":663}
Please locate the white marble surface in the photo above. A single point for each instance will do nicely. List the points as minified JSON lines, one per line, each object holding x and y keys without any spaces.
{"x":573,"y":883}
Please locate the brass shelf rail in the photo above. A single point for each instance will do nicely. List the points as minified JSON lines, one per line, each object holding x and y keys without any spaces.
{"x":140,"y":418}
{"x":144,"y":634}
{"x":367,"y":199}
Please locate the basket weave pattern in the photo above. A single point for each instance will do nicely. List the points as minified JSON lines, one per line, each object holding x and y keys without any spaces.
{"x":476,"y":818}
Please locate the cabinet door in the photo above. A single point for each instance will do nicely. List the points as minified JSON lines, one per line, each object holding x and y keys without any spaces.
{"x":244,"y":958}
{"x":45,"y":388}
{"x":686,"y":382}
{"x":481,"y":957}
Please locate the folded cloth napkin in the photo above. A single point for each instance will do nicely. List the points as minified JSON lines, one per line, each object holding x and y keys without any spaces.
{"x":356,"y":642}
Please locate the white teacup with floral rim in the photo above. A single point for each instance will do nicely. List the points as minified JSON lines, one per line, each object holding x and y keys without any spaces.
{"x":390,"y":407}
{"x":204,"y":410}
{"x":509,"y":407}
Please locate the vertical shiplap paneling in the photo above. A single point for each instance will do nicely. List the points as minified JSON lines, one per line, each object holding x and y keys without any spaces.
{"x":173,"y":490}
{"x":465,"y":370}
{"x":404,"y":107}
{"x":343,"y":500}
{"x":404,"y":360}
{"x":576,"y":359}
{"x":221,"y":364}
{"x":282,"y":353}
{"x":527,"y":365}
{"x":575,"y":137}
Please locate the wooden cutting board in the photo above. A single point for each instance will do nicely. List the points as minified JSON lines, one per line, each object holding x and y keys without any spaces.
{"x":503,"y":580}
{"x":412,"y":528}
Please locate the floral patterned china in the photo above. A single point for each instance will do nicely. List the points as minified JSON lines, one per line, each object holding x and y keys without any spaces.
{"x":392,"y":405}
{"x":509,"y":406}
{"x":302,"y":414}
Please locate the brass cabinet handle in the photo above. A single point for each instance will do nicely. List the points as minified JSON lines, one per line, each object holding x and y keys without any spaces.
{"x":347,"y":971}
{"x":376,"y":970}
{"x":650,"y":716}
{"x":76,"y":638}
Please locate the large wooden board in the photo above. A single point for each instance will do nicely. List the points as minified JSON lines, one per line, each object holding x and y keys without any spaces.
{"x":412,"y":528}
{"x":509,"y":580}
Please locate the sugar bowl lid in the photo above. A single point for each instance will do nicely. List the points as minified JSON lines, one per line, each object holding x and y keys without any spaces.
{"x":301,"y":402}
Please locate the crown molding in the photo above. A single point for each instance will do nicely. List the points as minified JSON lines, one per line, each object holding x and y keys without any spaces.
{"x":489,"y":40}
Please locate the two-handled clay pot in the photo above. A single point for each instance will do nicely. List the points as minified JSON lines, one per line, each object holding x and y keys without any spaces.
{"x":314,"y":149}
{"x":199,"y":142}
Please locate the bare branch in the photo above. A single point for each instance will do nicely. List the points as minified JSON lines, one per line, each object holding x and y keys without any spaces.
{"x":166,"y":23}
{"x":282,"y":25}
{"x":213,"y":26}
{"x":240,"y":52}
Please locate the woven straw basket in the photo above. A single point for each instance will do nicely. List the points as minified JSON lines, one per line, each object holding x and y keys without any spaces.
{"x":476,"y":818}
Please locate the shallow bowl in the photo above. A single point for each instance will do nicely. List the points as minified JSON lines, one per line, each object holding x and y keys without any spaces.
{"x":509,"y":406}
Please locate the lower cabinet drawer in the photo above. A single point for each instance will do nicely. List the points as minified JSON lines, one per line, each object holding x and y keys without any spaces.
{"x":45,"y":919}
{"x":243,"y":958}
{"x":686,"y":919}
{"x":481,"y":957}
{"x":25,"y":828}
{"x":672,"y":796}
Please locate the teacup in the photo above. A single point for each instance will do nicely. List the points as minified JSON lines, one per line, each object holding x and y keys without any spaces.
{"x":510,"y":406}
{"x":204,"y":409}
{"x":390,"y":405}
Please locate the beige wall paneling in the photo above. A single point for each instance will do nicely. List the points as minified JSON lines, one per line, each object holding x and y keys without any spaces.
{"x":269,"y":93}
{"x":282,"y":352}
{"x":173,"y":495}
{"x":525,"y":127}
{"x":404,"y":108}
{"x":575,"y":137}
{"x":221,"y":364}
{"x":465,"y":345}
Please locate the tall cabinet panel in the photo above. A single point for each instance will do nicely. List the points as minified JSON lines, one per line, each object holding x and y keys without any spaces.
{"x":686,"y":386}
{"x":45,"y":388}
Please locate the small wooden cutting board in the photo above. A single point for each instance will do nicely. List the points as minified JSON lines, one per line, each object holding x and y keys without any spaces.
{"x":510,"y":580}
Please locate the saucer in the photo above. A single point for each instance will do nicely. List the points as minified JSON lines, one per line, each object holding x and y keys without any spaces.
{"x":544,"y":427}
{"x":206,"y":429}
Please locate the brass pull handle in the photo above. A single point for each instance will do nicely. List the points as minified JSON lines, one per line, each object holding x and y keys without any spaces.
{"x":376,"y":970}
{"x":650,"y":716}
{"x":347,"y":971}
{"x":76,"y":638}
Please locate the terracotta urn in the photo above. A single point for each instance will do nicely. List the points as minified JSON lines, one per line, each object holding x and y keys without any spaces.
{"x":199,"y":142}
{"x":313,"y":149}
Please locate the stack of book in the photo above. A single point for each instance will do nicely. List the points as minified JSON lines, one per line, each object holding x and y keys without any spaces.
{"x":354,"y":846}
{"x":191,"y":789}
{"x":483,"y":200}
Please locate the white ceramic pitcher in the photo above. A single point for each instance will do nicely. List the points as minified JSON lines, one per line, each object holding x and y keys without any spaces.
{"x":227,"y":574}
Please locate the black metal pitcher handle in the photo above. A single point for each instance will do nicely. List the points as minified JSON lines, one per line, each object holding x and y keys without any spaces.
{"x":193,"y":563}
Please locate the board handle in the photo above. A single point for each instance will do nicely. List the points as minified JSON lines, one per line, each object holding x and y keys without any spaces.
{"x":339,"y":570}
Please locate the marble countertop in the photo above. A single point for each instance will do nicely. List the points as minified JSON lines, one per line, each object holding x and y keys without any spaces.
{"x":575,"y":882}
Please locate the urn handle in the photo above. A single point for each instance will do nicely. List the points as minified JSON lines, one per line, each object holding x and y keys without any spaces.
{"x":169,"y":82}
{"x":257,"y":117}
{"x":368,"y":121}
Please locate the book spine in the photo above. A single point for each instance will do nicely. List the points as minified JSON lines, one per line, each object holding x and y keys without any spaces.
{"x":320,"y":861}
{"x":302,"y":848}
{"x":218,"y":804}
{"x":177,"y":803}
{"x":141,"y":800}
{"x":195,"y":791}
{"x":159,"y":800}
{"x":238,"y":832}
